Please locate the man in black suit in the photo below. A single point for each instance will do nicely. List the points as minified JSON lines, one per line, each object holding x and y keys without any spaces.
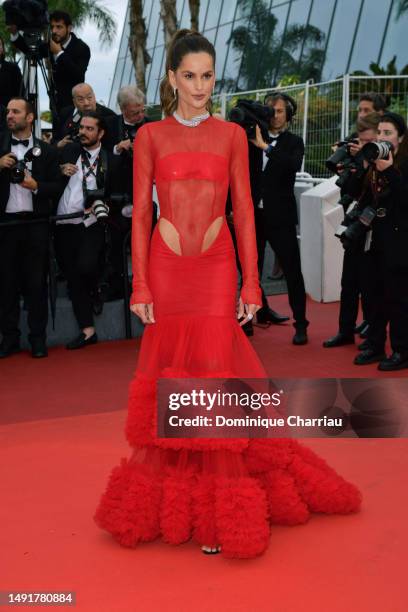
{"x":24,"y":247}
{"x":122,"y":129}
{"x":10,"y":78}
{"x":275,"y":166}
{"x":80,"y":242}
{"x":120,"y":134}
{"x":69,"y":56}
{"x":83,"y":101}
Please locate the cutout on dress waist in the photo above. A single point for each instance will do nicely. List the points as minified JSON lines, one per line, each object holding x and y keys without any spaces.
{"x":172,"y":238}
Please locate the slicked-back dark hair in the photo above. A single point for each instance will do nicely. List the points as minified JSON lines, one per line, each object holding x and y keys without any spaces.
{"x":183,"y":42}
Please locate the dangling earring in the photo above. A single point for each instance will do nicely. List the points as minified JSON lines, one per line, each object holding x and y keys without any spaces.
{"x":175,"y":92}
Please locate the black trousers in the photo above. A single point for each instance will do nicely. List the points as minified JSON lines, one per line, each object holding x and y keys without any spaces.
{"x":355,"y":282}
{"x":23,"y":271}
{"x":284,"y":242}
{"x":79,"y":251}
{"x":390,"y":306}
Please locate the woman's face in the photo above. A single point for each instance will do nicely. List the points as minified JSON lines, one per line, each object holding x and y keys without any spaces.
{"x":388,"y":131}
{"x":194,"y":80}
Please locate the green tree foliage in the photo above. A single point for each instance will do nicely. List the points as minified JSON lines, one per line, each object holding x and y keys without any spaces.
{"x":266,"y":58}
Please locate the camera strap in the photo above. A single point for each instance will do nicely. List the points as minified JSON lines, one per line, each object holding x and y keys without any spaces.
{"x":89,"y":169}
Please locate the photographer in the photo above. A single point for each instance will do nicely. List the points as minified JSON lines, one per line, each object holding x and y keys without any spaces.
{"x":69,"y":56}
{"x":385,"y":202}
{"x":10,"y":78}
{"x":371,"y":103}
{"x":275,"y":203}
{"x":119,"y":137}
{"x":354,"y":282}
{"x":91,"y":176}
{"x":28,"y":188}
{"x":84,"y":101}
{"x":122,"y":129}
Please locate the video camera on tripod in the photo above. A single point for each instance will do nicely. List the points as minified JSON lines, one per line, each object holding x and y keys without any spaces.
{"x":29,"y":16}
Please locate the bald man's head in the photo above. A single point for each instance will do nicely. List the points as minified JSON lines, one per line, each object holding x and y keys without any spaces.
{"x":84,"y":98}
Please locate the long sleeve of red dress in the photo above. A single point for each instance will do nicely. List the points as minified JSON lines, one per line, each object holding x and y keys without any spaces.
{"x":192,"y":168}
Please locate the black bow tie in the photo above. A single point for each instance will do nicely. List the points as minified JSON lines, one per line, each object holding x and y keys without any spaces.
{"x":25,"y":143}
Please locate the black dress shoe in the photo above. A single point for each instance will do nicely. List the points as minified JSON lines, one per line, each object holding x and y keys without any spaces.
{"x":370,"y":355}
{"x":38,"y":349}
{"x":81,"y":341}
{"x":267,"y":315}
{"x":338,"y":340}
{"x":359,"y":328}
{"x":248,"y":329}
{"x":397,"y":361}
{"x":364,"y":345}
{"x":9,"y":348}
{"x":300,"y":337}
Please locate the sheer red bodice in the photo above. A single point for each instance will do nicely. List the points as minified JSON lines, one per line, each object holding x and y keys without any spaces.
{"x":192,"y":168}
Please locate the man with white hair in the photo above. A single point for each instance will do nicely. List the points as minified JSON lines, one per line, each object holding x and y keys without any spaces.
{"x":123,"y":128}
{"x":120,"y":134}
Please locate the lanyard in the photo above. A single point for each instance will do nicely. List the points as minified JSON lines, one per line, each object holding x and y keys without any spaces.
{"x":87,"y":168}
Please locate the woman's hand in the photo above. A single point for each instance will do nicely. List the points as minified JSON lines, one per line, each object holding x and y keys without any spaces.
{"x":258,"y":141}
{"x":383,"y":164}
{"x":247,"y":311}
{"x":144,"y":312}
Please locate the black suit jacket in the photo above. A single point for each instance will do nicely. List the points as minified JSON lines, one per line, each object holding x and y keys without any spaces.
{"x":111,"y":181}
{"x":45,"y":170}
{"x":115,"y":133}
{"x":66,"y":119}
{"x":116,"y":130}
{"x":10,"y":82}
{"x":68,"y":70}
{"x":275,"y":184}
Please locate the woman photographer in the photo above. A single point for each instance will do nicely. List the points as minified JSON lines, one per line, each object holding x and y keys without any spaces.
{"x":387,"y":193}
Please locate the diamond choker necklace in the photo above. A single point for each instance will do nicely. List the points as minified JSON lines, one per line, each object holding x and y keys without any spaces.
{"x":193,"y":122}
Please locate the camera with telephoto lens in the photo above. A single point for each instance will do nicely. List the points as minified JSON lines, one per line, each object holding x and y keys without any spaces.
{"x":349,"y":163}
{"x":353,"y":229}
{"x":17,"y":172}
{"x":31,"y":17}
{"x":248,"y":114}
{"x":341,"y":153}
{"x":95,"y":199}
{"x":380,"y":149}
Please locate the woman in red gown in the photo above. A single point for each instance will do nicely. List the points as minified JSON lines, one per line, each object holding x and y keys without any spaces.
{"x":223,"y":493}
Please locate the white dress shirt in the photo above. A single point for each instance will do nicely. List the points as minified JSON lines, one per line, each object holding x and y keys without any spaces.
{"x":72,"y":200}
{"x":20,"y":199}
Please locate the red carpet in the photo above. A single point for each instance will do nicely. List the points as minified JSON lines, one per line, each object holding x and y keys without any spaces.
{"x":62,"y":431}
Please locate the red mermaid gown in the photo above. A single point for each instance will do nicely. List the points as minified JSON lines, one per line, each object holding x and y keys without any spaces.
{"x":220,"y":492}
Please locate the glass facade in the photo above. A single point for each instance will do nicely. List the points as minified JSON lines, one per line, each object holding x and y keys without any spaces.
{"x":259,"y":42}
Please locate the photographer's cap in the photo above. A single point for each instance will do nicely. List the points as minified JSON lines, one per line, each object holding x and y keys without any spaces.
{"x":397,"y":120}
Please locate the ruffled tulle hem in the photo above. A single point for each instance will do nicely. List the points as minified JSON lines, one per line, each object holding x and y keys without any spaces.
{"x":220,"y":497}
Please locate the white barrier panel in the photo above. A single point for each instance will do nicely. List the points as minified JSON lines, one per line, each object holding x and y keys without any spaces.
{"x":321,"y":252}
